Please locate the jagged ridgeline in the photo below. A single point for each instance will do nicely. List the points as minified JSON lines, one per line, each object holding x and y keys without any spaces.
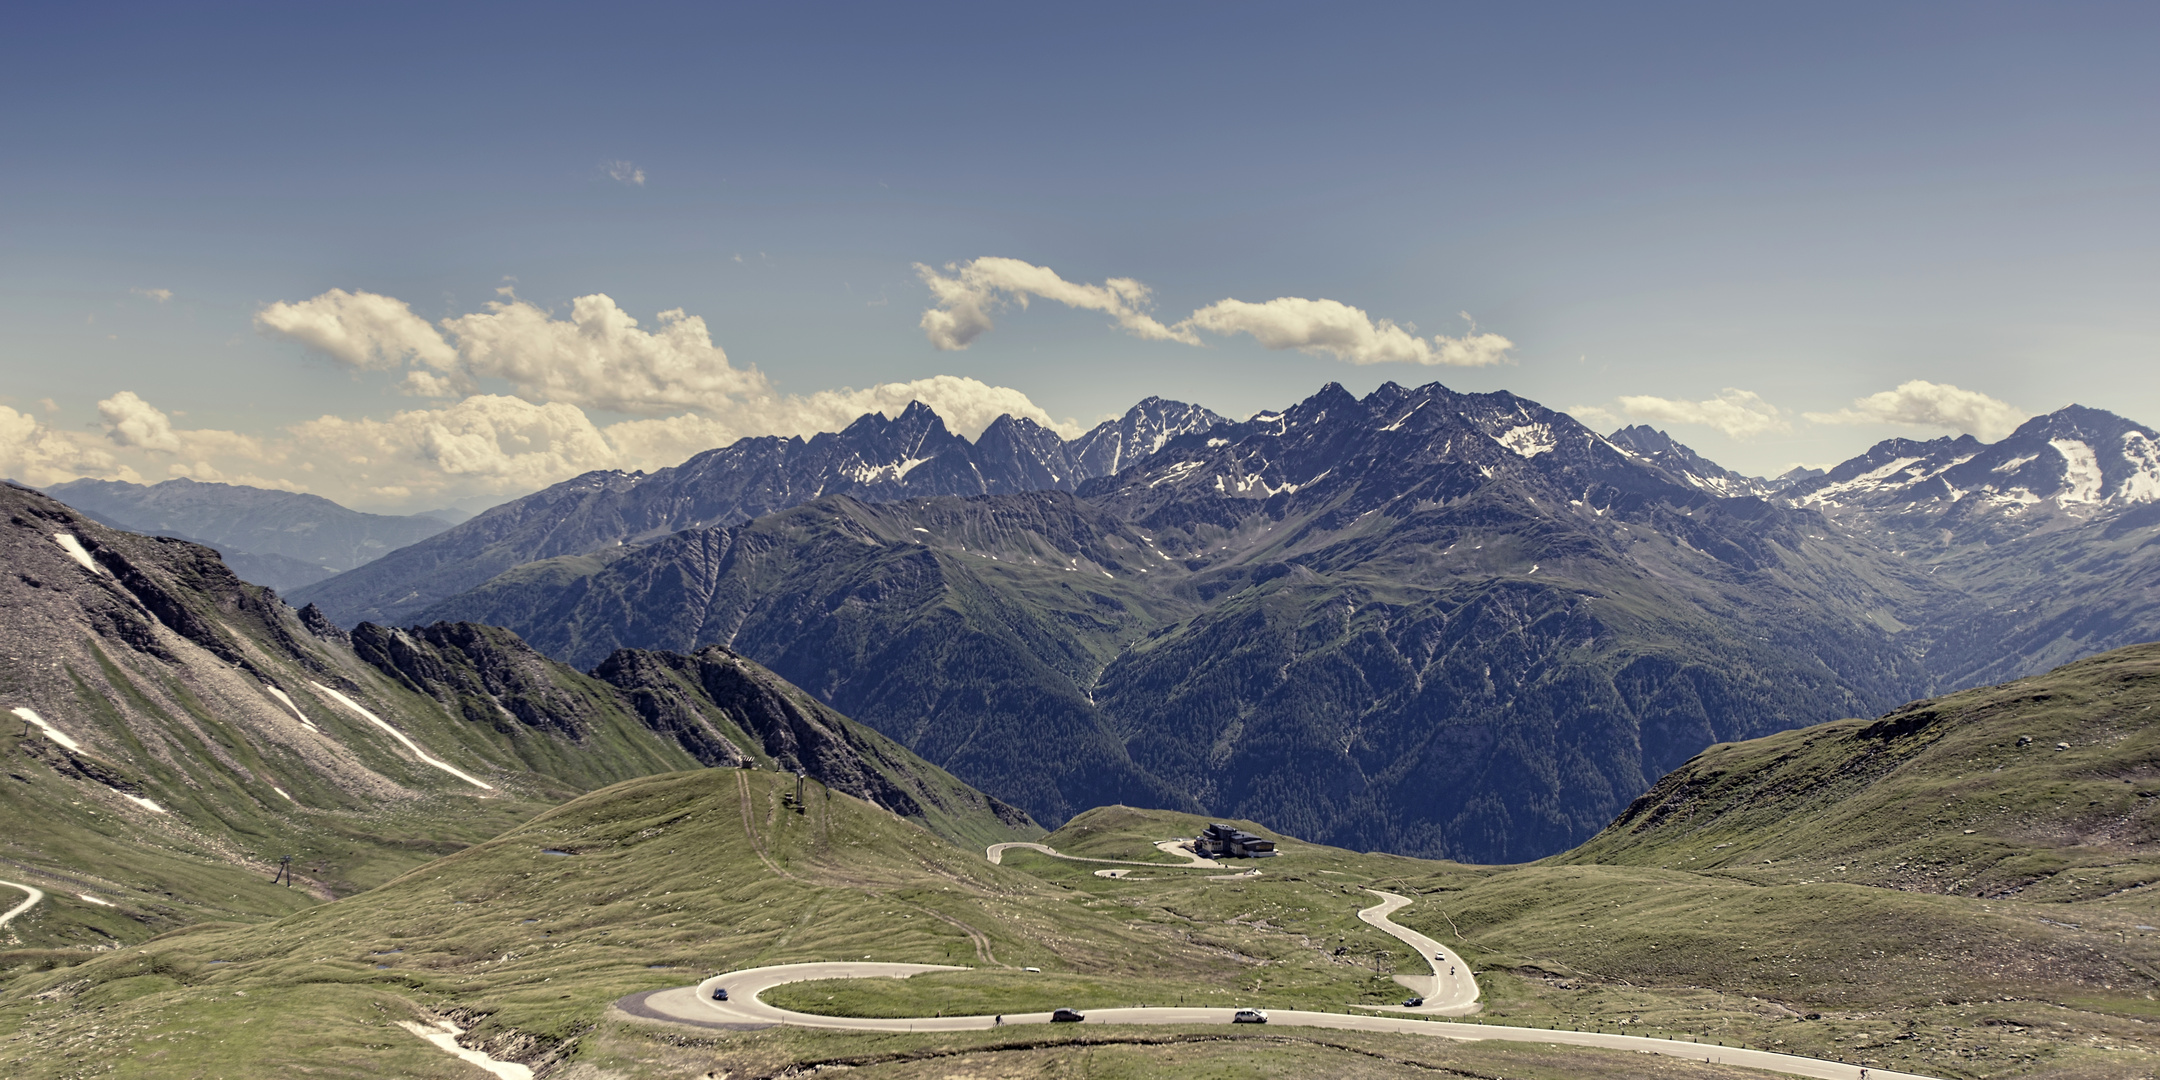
{"x":175,"y":731}
{"x":875,"y":459}
{"x":1422,"y":622}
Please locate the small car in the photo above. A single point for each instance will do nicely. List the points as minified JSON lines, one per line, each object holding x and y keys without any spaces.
{"x":1412,"y":1003}
{"x":1037,"y":971}
{"x":1067,"y":1016}
{"x":1249,"y":1016}
{"x":719,"y":993}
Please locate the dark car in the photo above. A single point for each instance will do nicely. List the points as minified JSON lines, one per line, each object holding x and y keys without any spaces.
{"x":719,"y":993}
{"x":1067,"y":1016}
{"x":1413,"y":1003}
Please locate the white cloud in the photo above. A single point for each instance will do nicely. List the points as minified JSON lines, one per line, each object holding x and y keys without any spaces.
{"x":1924,"y":404}
{"x":487,"y":442}
{"x":683,"y":394}
{"x":967,"y":294}
{"x":624,"y":172}
{"x":600,"y":357}
{"x":1333,"y":328}
{"x":135,"y":424}
{"x":159,"y":295}
{"x":36,"y":454}
{"x":1740,"y":414}
{"x":974,"y":289}
{"x":361,"y":329}
{"x":131,"y":421}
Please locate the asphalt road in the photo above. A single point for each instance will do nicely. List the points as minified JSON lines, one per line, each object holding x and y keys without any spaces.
{"x":1450,"y":990}
{"x":694,"y":1005}
{"x":35,"y":896}
{"x":996,"y":854}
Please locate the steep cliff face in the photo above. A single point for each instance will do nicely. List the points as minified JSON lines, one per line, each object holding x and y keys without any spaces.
{"x":728,"y":710}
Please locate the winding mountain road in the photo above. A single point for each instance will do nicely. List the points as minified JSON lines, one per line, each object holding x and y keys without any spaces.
{"x":36,"y":895}
{"x":996,"y":854}
{"x":1449,"y":994}
{"x":1453,"y":992}
{"x":745,"y":1010}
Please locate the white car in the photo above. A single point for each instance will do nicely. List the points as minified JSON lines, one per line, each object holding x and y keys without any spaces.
{"x":1249,"y":1016}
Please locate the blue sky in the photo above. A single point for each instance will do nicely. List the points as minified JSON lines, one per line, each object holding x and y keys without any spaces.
{"x":1775,"y":212}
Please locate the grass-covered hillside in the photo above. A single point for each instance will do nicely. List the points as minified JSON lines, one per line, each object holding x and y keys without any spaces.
{"x":191,"y":729}
{"x":528,"y":939}
{"x":2043,"y":789}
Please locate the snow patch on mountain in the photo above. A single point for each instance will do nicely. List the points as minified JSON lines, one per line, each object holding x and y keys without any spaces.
{"x":2081,"y":472}
{"x":51,"y":732}
{"x":1529,"y":440}
{"x":2143,"y":482}
{"x":77,"y":552}
{"x":399,"y":736}
{"x":287,"y":699}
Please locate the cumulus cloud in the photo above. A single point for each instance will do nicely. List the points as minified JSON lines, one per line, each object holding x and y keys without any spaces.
{"x":361,"y":329}
{"x":1924,"y":404}
{"x":624,"y":172}
{"x":1740,"y":414}
{"x":967,"y":293}
{"x":131,"y":421}
{"x":35,"y":453}
{"x":159,"y":295}
{"x":487,"y":442}
{"x":1333,"y":328}
{"x":600,"y":357}
{"x":522,"y":378}
{"x":135,"y":424}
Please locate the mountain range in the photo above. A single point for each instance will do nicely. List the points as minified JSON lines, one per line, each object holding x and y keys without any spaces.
{"x":282,"y":539}
{"x":1421,"y":621}
{"x":1424,"y":622}
{"x":876,"y":459}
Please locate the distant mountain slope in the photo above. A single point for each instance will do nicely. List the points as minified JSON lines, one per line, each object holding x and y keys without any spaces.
{"x":1424,"y":621}
{"x":1693,"y":468}
{"x":970,"y":630}
{"x":2049,"y":539}
{"x":875,"y":459}
{"x":182,"y":729}
{"x":282,"y":539}
{"x":2047,"y":788}
{"x":2069,"y":465}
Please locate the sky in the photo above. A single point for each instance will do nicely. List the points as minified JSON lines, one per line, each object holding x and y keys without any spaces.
{"x":408,"y":256}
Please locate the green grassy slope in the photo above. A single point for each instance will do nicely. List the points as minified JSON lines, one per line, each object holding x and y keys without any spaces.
{"x":159,"y":666}
{"x":2046,"y":788}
